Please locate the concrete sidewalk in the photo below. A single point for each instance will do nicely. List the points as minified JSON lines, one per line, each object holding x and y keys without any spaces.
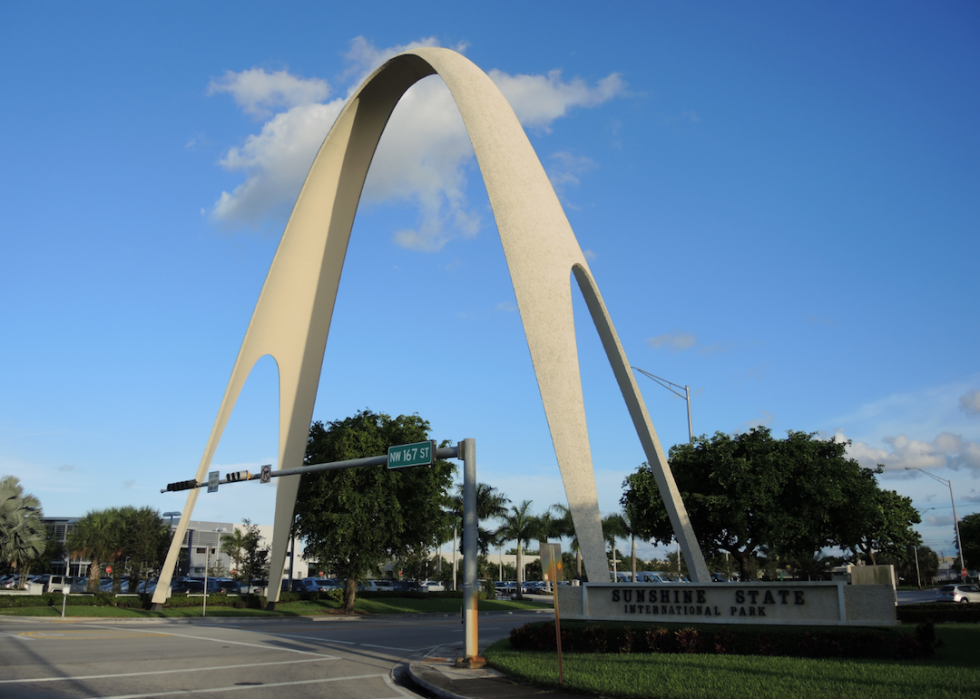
{"x":438,"y":674}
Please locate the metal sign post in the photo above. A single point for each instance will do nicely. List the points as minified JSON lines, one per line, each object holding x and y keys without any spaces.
{"x":551,"y":566}
{"x":471,"y":589}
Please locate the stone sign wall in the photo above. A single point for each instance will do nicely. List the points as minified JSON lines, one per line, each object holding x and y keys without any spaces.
{"x":803,"y":603}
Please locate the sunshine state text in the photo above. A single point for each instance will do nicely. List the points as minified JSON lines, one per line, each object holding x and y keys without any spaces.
{"x":695,"y":603}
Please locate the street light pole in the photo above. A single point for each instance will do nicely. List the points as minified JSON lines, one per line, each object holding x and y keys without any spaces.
{"x":217,"y":555}
{"x":672,"y":387}
{"x":952,"y":500}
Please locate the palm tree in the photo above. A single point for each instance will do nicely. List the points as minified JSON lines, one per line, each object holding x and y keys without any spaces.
{"x":233,"y":545}
{"x":629,"y":529}
{"x":521,"y":526}
{"x":490,"y":504}
{"x":96,"y":536}
{"x":613,"y":527}
{"x":565,"y":528}
{"x":22,"y":534}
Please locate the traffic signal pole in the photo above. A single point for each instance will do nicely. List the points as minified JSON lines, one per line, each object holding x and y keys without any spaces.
{"x":465,"y":450}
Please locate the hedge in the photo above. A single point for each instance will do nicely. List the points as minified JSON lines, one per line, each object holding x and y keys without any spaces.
{"x":939,"y":613}
{"x":795,"y":642}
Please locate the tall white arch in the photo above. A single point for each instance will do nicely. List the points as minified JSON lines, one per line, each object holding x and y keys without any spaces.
{"x":292,"y":317}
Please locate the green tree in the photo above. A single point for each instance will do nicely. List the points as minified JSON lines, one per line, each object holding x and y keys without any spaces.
{"x":144,"y":539}
{"x":356,"y":519}
{"x":970,"y":532}
{"x":22,"y":535}
{"x":254,"y":556}
{"x":613,"y":529}
{"x":520,"y":525}
{"x":928,"y":564}
{"x":96,"y":536}
{"x":565,"y":528}
{"x":490,"y":504}
{"x":233,"y":545}
{"x":750,"y":492}
{"x":881,"y":520}
{"x":630,"y":531}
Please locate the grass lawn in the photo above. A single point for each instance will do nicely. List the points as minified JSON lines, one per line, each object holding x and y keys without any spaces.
{"x":953,"y":672}
{"x":395,"y":605}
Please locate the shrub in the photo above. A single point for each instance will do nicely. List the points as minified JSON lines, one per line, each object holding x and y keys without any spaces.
{"x":595,"y":639}
{"x":627,"y":640}
{"x":689,"y":641}
{"x":582,"y":637}
{"x":724,"y":642}
{"x":659,"y":640}
{"x":938,"y":613}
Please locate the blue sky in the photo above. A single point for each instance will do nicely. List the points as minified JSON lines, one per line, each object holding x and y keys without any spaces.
{"x":779,"y":203}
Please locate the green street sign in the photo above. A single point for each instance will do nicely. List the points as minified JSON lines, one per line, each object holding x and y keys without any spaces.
{"x":405,"y":455}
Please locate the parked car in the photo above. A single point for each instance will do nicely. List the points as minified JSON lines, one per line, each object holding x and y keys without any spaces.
{"x":229,"y":586}
{"x":106,"y":585}
{"x":56,"y":583}
{"x":430,"y":586}
{"x":290,"y":585}
{"x":508,"y":587}
{"x":195,"y":586}
{"x":309,"y":585}
{"x":958,"y":593}
{"x":718,"y":578}
{"x":394,"y":585}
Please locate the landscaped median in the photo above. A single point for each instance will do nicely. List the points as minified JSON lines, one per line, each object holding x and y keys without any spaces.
{"x":290,"y":604}
{"x":673,"y":661}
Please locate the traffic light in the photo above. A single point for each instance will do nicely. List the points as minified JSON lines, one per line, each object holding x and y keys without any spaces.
{"x":182,"y":485}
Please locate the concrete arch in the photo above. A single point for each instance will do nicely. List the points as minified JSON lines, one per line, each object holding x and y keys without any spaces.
{"x":292,"y":317}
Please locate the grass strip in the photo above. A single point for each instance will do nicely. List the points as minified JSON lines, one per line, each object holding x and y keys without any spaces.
{"x":953,"y":672}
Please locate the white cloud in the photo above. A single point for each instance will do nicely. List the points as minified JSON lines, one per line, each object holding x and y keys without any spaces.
{"x":675,"y":342}
{"x":424,"y":155}
{"x":970,"y":402}
{"x":364,"y":58}
{"x":275,"y":161}
{"x":564,"y":169}
{"x":765,"y":419}
{"x":540,"y":99}
{"x":258,"y":92}
{"x":947,"y":450}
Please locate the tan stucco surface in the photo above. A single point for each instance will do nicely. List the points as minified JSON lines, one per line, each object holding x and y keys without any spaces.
{"x":291,"y":321}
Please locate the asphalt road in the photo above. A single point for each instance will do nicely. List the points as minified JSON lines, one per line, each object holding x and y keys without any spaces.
{"x":251,"y":659}
{"x":916,"y":596}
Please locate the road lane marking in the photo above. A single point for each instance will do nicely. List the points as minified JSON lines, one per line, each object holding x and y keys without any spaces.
{"x":73,"y":635}
{"x":167,"y":672}
{"x":407,"y":650}
{"x":18,"y":636}
{"x":237,"y":688}
{"x":265,"y":647}
{"x":345,"y":643}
